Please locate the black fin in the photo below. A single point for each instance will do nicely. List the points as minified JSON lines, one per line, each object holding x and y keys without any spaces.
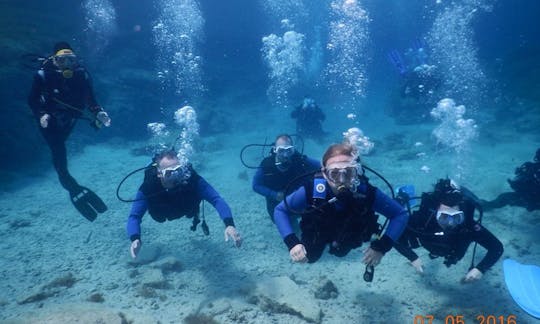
{"x":87,"y":203}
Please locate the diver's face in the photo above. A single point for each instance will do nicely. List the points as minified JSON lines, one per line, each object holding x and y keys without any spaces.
{"x":449,"y":217}
{"x":65,"y":61}
{"x":284,"y":152}
{"x":340,"y":172}
{"x":165,"y":167}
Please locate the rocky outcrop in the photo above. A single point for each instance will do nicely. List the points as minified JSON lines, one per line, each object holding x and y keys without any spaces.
{"x":282,"y":295}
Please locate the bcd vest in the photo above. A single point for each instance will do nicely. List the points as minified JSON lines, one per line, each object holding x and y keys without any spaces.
{"x":173,"y":203}
{"x":278,"y":180}
{"x":356,"y":222}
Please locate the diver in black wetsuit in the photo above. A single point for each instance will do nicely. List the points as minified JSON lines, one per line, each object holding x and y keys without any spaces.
{"x":445,"y":226}
{"x":309,"y":118}
{"x":276,"y":171}
{"x":526,"y":186}
{"x":61,"y":92}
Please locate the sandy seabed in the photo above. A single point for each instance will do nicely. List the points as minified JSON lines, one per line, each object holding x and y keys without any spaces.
{"x":59,"y":268}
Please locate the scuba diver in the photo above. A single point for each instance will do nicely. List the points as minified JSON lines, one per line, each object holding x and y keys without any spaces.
{"x":526,"y":186}
{"x":337,"y":208}
{"x":275,"y":171}
{"x":61,"y":92}
{"x":171,"y":190}
{"x":444,"y":225}
{"x":418,"y":85}
{"x":309,"y":118}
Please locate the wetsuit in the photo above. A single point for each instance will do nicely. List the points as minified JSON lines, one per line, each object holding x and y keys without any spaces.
{"x":309,"y":121}
{"x":51,"y":94}
{"x":269,"y":180}
{"x":423,"y":230}
{"x":526,"y":186}
{"x":343,"y":223}
{"x":174,"y":203}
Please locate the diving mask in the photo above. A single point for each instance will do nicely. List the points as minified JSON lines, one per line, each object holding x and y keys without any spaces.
{"x":342,"y":173}
{"x":448,"y":217}
{"x":308,"y":103}
{"x":174,"y":175}
{"x":284,"y":154}
{"x":65,"y":61}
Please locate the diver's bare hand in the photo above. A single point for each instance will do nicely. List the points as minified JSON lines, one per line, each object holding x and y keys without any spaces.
{"x":298,"y":253}
{"x":473,"y":275}
{"x":372,"y":257}
{"x":418,"y":265}
{"x":44,"y":120}
{"x":104,"y":118}
{"x":135,"y":247}
{"x":231,"y":232}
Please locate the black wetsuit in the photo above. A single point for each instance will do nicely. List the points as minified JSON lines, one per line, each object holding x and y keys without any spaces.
{"x":423,"y":230}
{"x":51,"y":94}
{"x":342,"y":229}
{"x":419,"y":86}
{"x":269,"y":181}
{"x":309,"y":121}
{"x":526,"y":186}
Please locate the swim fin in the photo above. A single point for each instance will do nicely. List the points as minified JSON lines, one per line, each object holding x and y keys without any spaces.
{"x":87,"y":203}
{"x":523,"y":283}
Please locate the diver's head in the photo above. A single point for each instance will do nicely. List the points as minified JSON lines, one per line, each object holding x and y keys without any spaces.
{"x":283,"y":152}
{"x":450,"y":197}
{"x":449,"y":217}
{"x":64,"y":59}
{"x":308,"y":103}
{"x":448,"y":192}
{"x":537,"y":156}
{"x":340,"y":167}
{"x":170,"y":171}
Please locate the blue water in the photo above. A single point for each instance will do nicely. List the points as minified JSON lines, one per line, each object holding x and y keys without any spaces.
{"x":244,"y":65}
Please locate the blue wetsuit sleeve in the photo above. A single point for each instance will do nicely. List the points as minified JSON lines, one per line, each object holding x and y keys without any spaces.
{"x":138,"y":208}
{"x":260,"y":188}
{"x":392,"y":210}
{"x":208,"y":193}
{"x":295,"y":201}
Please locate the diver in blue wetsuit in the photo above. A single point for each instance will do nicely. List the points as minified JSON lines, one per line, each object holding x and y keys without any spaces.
{"x":277,"y":170}
{"x":339,"y":211}
{"x":170,"y":191}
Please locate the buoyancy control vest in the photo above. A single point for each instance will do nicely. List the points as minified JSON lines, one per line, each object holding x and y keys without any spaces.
{"x":277,"y":180}
{"x":168,"y":204}
{"x":73,"y":91}
{"x":353,"y":224}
